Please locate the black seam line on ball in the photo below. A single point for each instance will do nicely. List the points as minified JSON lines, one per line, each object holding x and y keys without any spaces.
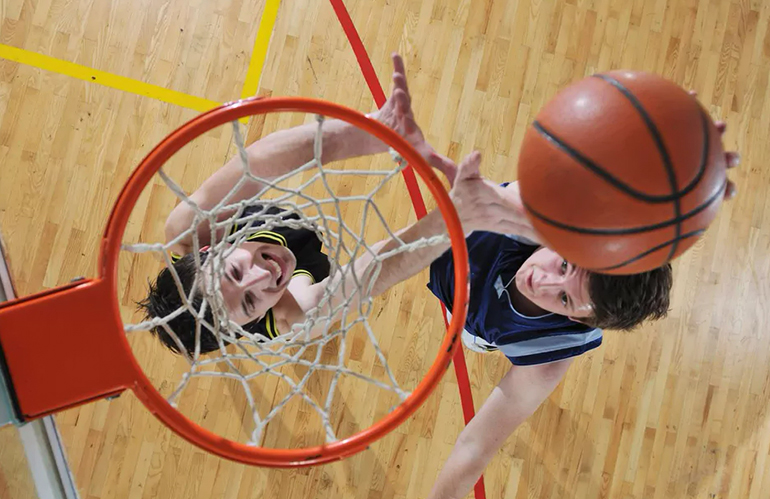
{"x":664,"y":155}
{"x":704,"y":155}
{"x":620,"y":184}
{"x":629,"y":230}
{"x":651,"y":250}
{"x":599,"y":171}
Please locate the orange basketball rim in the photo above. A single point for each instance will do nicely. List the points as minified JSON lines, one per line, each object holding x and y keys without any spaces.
{"x":66,"y":346}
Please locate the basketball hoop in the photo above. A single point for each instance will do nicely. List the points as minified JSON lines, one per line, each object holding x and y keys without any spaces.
{"x":51,"y":372}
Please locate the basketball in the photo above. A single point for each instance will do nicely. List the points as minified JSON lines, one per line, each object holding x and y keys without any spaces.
{"x":621,"y":172}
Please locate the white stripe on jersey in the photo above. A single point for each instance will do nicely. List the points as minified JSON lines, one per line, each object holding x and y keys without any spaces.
{"x":552,"y":343}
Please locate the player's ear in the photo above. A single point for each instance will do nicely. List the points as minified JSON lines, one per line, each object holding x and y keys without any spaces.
{"x":586,"y":316}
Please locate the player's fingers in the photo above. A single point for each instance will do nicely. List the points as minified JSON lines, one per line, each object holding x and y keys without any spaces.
{"x":438,"y":161}
{"x":398,"y":63}
{"x":404,"y":112}
{"x":401,"y":100}
{"x":399,"y":83}
{"x":730,"y":190}
{"x":721,"y":126}
{"x":733,"y":159}
{"x":694,"y":93}
{"x":398,"y":68}
{"x":469,"y":167}
{"x":444,"y":165}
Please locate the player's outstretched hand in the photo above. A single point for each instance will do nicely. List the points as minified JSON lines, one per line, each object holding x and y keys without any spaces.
{"x":481,"y":203}
{"x":732,"y":158}
{"x":397,"y":113}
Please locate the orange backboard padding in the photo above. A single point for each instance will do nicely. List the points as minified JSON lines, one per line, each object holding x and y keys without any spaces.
{"x":60,"y":355}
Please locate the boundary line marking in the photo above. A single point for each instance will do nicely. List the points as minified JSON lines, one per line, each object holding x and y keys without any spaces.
{"x":261,"y":44}
{"x":136,"y":87}
{"x":106,"y":79}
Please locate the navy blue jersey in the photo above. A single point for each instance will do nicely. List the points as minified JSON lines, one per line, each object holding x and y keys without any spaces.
{"x":493,"y":262}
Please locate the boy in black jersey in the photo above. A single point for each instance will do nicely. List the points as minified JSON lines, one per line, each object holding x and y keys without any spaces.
{"x":274,"y":278}
{"x":312,"y":265}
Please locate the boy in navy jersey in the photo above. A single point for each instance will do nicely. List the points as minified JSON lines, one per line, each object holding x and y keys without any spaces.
{"x":537,"y":309}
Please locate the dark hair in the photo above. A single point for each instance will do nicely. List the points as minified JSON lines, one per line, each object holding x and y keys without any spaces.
{"x":163,"y":299}
{"x":625,"y":301}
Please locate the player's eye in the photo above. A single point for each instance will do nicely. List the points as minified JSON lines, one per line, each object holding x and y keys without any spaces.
{"x":236,"y":273}
{"x":564,"y":299}
{"x":248,"y":303}
{"x":564,"y":266}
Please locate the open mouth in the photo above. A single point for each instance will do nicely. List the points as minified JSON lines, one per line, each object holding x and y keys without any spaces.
{"x":277,"y":268}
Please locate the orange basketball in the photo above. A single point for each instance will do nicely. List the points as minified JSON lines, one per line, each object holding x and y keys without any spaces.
{"x":622,"y":172}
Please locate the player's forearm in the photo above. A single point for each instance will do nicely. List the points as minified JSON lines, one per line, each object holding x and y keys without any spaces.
{"x":283,"y":152}
{"x":462,"y":469}
{"x":514,"y":399}
{"x":394,"y":269}
{"x":404,"y":265}
{"x":291,"y":148}
{"x":270,"y":157}
{"x":475,"y":447}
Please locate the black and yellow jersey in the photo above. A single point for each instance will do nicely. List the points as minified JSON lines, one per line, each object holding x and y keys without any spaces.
{"x":304,"y":243}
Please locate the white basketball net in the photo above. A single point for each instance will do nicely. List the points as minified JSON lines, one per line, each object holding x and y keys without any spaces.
{"x":243,"y":356}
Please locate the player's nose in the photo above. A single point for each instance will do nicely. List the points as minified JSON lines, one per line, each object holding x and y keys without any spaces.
{"x":546,"y":280}
{"x":255,"y":276}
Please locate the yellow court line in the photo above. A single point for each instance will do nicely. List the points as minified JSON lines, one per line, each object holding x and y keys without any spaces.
{"x":261,"y":43}
{"x":104,"y":78}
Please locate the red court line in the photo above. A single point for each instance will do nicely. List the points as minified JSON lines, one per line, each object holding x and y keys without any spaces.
{"x":461,"y":370}
{"x":379,"y":96}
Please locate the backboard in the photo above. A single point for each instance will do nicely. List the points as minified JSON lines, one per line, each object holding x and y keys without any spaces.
{"x":44,"y":454}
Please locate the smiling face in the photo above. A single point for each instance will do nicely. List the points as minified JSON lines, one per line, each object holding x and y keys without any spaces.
{"x":255,"y":277}
{"x":555,"y":285}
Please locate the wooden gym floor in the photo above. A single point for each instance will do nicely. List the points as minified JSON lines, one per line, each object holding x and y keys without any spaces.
{"x":678,"y":409}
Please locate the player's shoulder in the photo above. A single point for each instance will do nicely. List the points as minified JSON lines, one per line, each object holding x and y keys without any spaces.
{"x":520,"y":239}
